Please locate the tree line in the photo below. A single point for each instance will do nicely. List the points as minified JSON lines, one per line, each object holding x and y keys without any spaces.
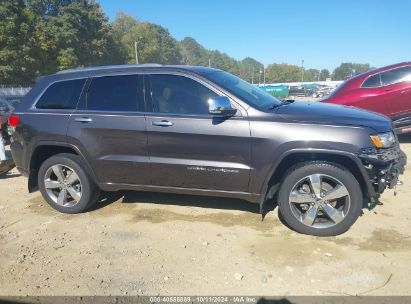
{"x":40,"y":37}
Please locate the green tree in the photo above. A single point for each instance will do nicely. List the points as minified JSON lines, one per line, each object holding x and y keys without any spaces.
{"x":39,"y":37}
{"x":250,"y":69}
{"x":224,"y":62}
{"x":283,"y":73}
{"x":348,"y":69}
{"x":324,"y":74}
{"x":72,"y":33}
{"x":154,"y":44}
{"x":311,"y":75}
{"x":122,"y":24}
{"x":193,"y":53}
{"x":45,"y":8}
{"x":17,"y":44}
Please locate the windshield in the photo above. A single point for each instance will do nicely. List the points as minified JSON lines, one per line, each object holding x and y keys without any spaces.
{"x":336,"y":90}
{"x":245,"y":91}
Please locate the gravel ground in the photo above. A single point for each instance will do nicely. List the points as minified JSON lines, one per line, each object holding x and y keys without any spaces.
{"x":147,"y":244}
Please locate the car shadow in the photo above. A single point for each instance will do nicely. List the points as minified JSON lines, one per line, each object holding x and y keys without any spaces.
{"x":273,"y":301}
{"x":9,"y":175}
{"x":404,"y":138}
{"x":135,"y":197}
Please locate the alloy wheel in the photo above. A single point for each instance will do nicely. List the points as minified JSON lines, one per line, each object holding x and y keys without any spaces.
{"x":63,"y":185}
{"x":319,"y":201}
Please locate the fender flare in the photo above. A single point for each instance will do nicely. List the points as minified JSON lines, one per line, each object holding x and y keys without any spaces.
{"x":353,"y":157}
{"x":59,"y":144}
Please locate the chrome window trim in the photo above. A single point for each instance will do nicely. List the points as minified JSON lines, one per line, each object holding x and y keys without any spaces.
{"x":198,"y":80}
{"x":109,"y":113}
{"x":238,"y":104}
{"x":380,"y":73}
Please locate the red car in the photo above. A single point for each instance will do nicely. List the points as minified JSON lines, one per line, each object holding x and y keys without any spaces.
{"x":385,"y":90}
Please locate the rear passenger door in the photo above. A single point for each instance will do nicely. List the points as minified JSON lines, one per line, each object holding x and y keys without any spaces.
{"x":190,"y":148}
{"x":109,"y":128}
{"x":47,"y":120}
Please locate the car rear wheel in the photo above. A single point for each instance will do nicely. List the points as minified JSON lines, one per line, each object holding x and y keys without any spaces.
{"x":320,"y":199}
{"x":65,"y":185}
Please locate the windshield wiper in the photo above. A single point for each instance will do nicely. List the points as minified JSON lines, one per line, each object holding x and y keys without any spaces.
{"x":284,"y":102}
{"x":274,"y":106}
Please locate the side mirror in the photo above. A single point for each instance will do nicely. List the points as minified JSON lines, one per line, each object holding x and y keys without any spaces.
{"x":220,"y":105}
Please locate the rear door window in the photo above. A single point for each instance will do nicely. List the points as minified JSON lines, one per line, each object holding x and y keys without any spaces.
{"x":61,"y":95}
{"x":396,"y":75}
{"x":119,"y":93}
{"x":372,"y":81}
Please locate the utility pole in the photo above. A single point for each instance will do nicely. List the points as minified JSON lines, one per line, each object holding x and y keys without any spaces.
{"x":209,"y":62}
{"x":135,"y":49}
{"x":259,"y":79}
{"x":302,"y":71}
{"x":264,"y":73}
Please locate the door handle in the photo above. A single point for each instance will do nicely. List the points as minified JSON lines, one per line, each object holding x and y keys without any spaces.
{"x":162,"y":123}
{"x":83,"y":119}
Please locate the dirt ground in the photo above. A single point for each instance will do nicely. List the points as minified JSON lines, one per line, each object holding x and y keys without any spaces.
{"x":148,"y":244}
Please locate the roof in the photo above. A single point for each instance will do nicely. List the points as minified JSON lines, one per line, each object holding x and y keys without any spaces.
{"x":381,"y":69}
{"x":108,"y":67}
{"x":127,"y":67}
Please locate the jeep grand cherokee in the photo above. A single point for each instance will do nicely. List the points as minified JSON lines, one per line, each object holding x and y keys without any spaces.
{"x":196,"y":130}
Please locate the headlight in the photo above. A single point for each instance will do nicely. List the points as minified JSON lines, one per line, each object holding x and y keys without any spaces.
{"x":383,"y":140}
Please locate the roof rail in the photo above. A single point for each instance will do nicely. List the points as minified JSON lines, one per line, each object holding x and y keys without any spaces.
{"x":104,"y":67}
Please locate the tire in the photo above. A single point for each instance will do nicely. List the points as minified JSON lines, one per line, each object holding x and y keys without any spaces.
{"x":326,"y":212}
{"x":6,"y":166}
{"x":85,"y":191}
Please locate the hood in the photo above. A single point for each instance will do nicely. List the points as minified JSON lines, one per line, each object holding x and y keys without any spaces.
{"x":323,"y":113}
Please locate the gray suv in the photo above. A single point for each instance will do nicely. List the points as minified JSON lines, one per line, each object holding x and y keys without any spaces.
{"x":197,"y":130}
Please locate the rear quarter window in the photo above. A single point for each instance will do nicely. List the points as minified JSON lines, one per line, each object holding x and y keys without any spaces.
{"x":61,"y":95}
{"x":372,"y":81}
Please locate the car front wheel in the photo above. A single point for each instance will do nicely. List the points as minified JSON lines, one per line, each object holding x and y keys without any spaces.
{"x":320,"y":198}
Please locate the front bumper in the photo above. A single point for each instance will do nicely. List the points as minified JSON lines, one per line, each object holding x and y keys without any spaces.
{"x":383,"y":166}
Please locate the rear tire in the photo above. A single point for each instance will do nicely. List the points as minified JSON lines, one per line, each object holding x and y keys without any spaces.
{"x":320,"y":198}
{"x":65,"y":185}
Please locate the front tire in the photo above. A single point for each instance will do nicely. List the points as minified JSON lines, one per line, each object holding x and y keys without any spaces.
{"x":320,"y":198}
{"x":65,"y":185}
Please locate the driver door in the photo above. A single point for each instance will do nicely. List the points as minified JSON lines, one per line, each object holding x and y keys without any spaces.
{"x":188,"y":147}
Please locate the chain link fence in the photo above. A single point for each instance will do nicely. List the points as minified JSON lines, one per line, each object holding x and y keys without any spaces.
{"x":13,"y":91}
